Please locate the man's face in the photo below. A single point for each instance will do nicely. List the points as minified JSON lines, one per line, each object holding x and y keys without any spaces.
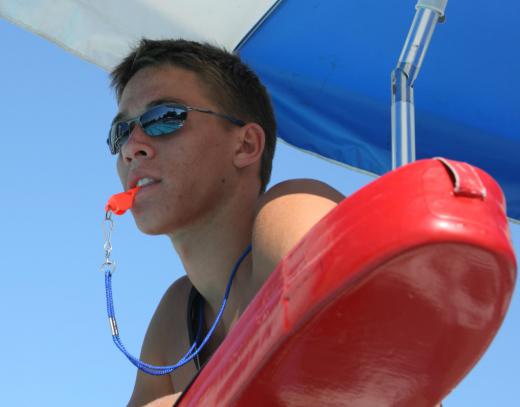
{"x":192,"y":169}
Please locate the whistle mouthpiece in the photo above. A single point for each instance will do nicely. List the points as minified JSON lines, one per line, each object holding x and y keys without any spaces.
{"x":120,"y":203}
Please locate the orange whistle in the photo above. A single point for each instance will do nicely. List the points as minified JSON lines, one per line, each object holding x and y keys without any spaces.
{"x":120,"y":203}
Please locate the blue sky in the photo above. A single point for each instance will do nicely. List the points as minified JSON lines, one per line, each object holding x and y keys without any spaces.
{"x":57,"y":175}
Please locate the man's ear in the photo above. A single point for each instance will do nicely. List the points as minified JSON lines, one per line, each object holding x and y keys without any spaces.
{"x":250,"y":145}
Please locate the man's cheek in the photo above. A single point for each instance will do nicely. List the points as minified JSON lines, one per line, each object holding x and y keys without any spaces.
{"x":121,"y":172}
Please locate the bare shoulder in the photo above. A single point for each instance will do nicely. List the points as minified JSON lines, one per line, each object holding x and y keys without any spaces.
{"x":166,"y":401}
{"x":158,"y":342}
{"x":285,"y":214}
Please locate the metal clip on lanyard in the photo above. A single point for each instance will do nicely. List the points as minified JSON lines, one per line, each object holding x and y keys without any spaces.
{"x":118,"y":204}
{"x":108,"y":226}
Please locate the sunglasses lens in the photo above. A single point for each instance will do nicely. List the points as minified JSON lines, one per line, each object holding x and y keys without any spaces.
{"x":118,"y":135}
{"x":158,"y":129}
{"x":157,"y":121}
{"x":163,"y":120}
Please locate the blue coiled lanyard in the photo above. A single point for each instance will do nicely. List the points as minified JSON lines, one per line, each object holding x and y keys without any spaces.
{"x":109,"y":267}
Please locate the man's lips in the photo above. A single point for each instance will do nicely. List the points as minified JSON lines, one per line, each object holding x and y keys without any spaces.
{"x":144,"y":182}
{"x":145,"y":189}
{"x":141,"y":181}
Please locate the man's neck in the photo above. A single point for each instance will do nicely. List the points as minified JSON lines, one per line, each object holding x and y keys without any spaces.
{"x":210,"y":248}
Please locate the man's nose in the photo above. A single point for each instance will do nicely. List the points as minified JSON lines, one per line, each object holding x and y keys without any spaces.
{"x":138,"y":145}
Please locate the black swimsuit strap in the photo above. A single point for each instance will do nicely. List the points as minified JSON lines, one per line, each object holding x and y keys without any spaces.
{"x":194,"y":313}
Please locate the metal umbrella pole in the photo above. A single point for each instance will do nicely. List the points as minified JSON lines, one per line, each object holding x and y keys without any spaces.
{"x":428,"y":13}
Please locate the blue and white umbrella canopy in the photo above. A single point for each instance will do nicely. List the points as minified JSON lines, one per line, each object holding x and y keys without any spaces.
{"x":327,"y":65}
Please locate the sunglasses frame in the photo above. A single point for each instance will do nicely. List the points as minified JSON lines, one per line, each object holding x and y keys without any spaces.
{"x":113,"y":140}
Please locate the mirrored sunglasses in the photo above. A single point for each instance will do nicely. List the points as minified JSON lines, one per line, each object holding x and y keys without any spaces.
{"x":157,"y":121}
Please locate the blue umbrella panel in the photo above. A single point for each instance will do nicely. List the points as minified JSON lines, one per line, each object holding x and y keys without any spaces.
{"x":327,"y":66}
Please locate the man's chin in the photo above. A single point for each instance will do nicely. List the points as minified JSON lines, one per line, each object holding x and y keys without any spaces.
{"x":151,"y":232}
{"x":150,"y":228}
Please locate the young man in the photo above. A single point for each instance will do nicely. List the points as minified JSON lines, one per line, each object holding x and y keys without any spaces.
{"x":196,"y":131}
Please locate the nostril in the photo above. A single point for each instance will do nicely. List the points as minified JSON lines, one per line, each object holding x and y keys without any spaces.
{"x":137,"y":153}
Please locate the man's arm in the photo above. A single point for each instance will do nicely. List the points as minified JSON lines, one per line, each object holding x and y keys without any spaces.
{"x":157,"y":389}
